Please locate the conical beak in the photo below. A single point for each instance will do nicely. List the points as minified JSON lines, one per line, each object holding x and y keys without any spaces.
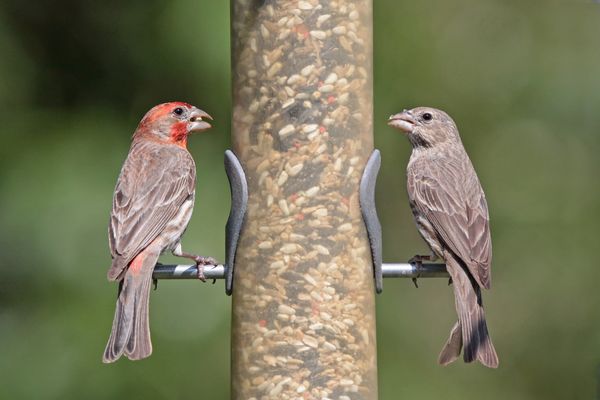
{"x":197,"y":121}
{"x":403,"y":121}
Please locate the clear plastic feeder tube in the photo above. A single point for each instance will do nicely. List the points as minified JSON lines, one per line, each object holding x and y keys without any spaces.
{"x":303,"y":297}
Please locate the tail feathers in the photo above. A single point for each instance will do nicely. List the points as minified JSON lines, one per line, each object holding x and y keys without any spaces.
{"x":481,"y":347}
{"x":139,"y":344}
{"x":473,"y":331}
{"x":478,"y":344}
{"x":130,"y":333}
{"x":451,"y":349}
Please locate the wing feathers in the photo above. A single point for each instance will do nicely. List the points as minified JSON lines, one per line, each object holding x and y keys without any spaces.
{"x":451,"y":198}
{"x":154,"y":182}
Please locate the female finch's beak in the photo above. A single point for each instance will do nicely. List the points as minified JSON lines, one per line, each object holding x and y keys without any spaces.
{"x":197,"y":124}
{"x":403,"y":121}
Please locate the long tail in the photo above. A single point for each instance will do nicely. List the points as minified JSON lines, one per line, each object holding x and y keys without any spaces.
{"x":471,"y":330}
{"x":130,"y":333}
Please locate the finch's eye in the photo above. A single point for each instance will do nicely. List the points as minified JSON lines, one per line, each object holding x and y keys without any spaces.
{"x":178,"y":111}
{"x":427,"y":117}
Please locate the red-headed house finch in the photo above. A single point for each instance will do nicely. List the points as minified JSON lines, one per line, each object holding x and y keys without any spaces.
{"x":152,"y":206}
{"x":451,"y":214}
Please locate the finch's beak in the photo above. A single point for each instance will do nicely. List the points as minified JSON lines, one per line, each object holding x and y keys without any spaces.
{"x":197,"y":123}
{"x":403,"y":121}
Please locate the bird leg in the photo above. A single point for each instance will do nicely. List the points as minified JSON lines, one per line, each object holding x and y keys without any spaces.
{"x":418,"y":263}
{"x":200,"y":261}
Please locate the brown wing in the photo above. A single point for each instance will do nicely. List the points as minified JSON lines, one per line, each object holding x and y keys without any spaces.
{"x":447,"y":191}
{"x":154,"y":182}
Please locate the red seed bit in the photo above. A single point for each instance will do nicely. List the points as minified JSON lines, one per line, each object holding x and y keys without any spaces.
{"x":315,"y":308}
{"x":346,"y":201}
{"x":299,"y":217}
{"x":302,"y":30}
{"x":322,"y":129}
{"x":331,"y":99}
{"x":262,"y":323}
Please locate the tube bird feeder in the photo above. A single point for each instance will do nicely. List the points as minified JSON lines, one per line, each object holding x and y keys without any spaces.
{"x":303,"y":323}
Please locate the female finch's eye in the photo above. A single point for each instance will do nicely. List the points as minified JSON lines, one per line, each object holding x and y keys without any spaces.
{"x":427,"y":117}
{"x":178,"y":111}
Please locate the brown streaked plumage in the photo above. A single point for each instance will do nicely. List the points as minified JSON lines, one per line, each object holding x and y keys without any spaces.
{"x":451,"y":214}
{"x":152,"y":205}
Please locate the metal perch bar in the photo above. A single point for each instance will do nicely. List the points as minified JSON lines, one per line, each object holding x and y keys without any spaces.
{"x":406,"y":270}
{"x":187,"y":272}
{"x":392,"y":270}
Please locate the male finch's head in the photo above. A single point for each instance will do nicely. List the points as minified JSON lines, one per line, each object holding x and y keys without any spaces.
{"x":425,"y":127}
{"x":172,"y":122}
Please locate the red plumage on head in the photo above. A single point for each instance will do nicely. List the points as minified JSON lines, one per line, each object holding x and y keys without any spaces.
{"x":178,"y":131}
{"x":163,"y":109}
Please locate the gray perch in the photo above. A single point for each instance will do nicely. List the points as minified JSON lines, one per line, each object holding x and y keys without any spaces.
{"x":399,"y":270}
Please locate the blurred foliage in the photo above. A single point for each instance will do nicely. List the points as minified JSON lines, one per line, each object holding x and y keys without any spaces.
{"x":520,"y":79}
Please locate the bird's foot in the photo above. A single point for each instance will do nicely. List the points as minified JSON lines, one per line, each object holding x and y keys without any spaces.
{"x":414,"y":281}
{"x":417,"y":261}
{"x":201,"y":261}
{"x":420,"y":259}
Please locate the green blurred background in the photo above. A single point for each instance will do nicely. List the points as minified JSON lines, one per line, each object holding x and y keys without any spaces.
{"x":521,"y":80}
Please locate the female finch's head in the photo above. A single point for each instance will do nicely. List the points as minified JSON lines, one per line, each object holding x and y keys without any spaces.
{"x":425,"y":126}
{"x":172,"y":122}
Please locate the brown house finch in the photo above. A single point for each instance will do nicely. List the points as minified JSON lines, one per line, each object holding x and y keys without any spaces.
{"x":451,"y":214}
{"x":152,"y":206}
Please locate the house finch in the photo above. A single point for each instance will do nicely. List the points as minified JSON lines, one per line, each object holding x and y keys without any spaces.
{"x":152,"y":206}
{"x":451,"y":214}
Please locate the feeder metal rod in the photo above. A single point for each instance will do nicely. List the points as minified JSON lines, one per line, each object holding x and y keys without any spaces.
{"x":406,"y":270}
{"x":392,"y":270}
{"x":187,"y":272}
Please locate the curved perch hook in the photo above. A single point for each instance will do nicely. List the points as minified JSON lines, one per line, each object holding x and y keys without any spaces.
{"x":369,"y":214}
{"x":239,"y":203}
